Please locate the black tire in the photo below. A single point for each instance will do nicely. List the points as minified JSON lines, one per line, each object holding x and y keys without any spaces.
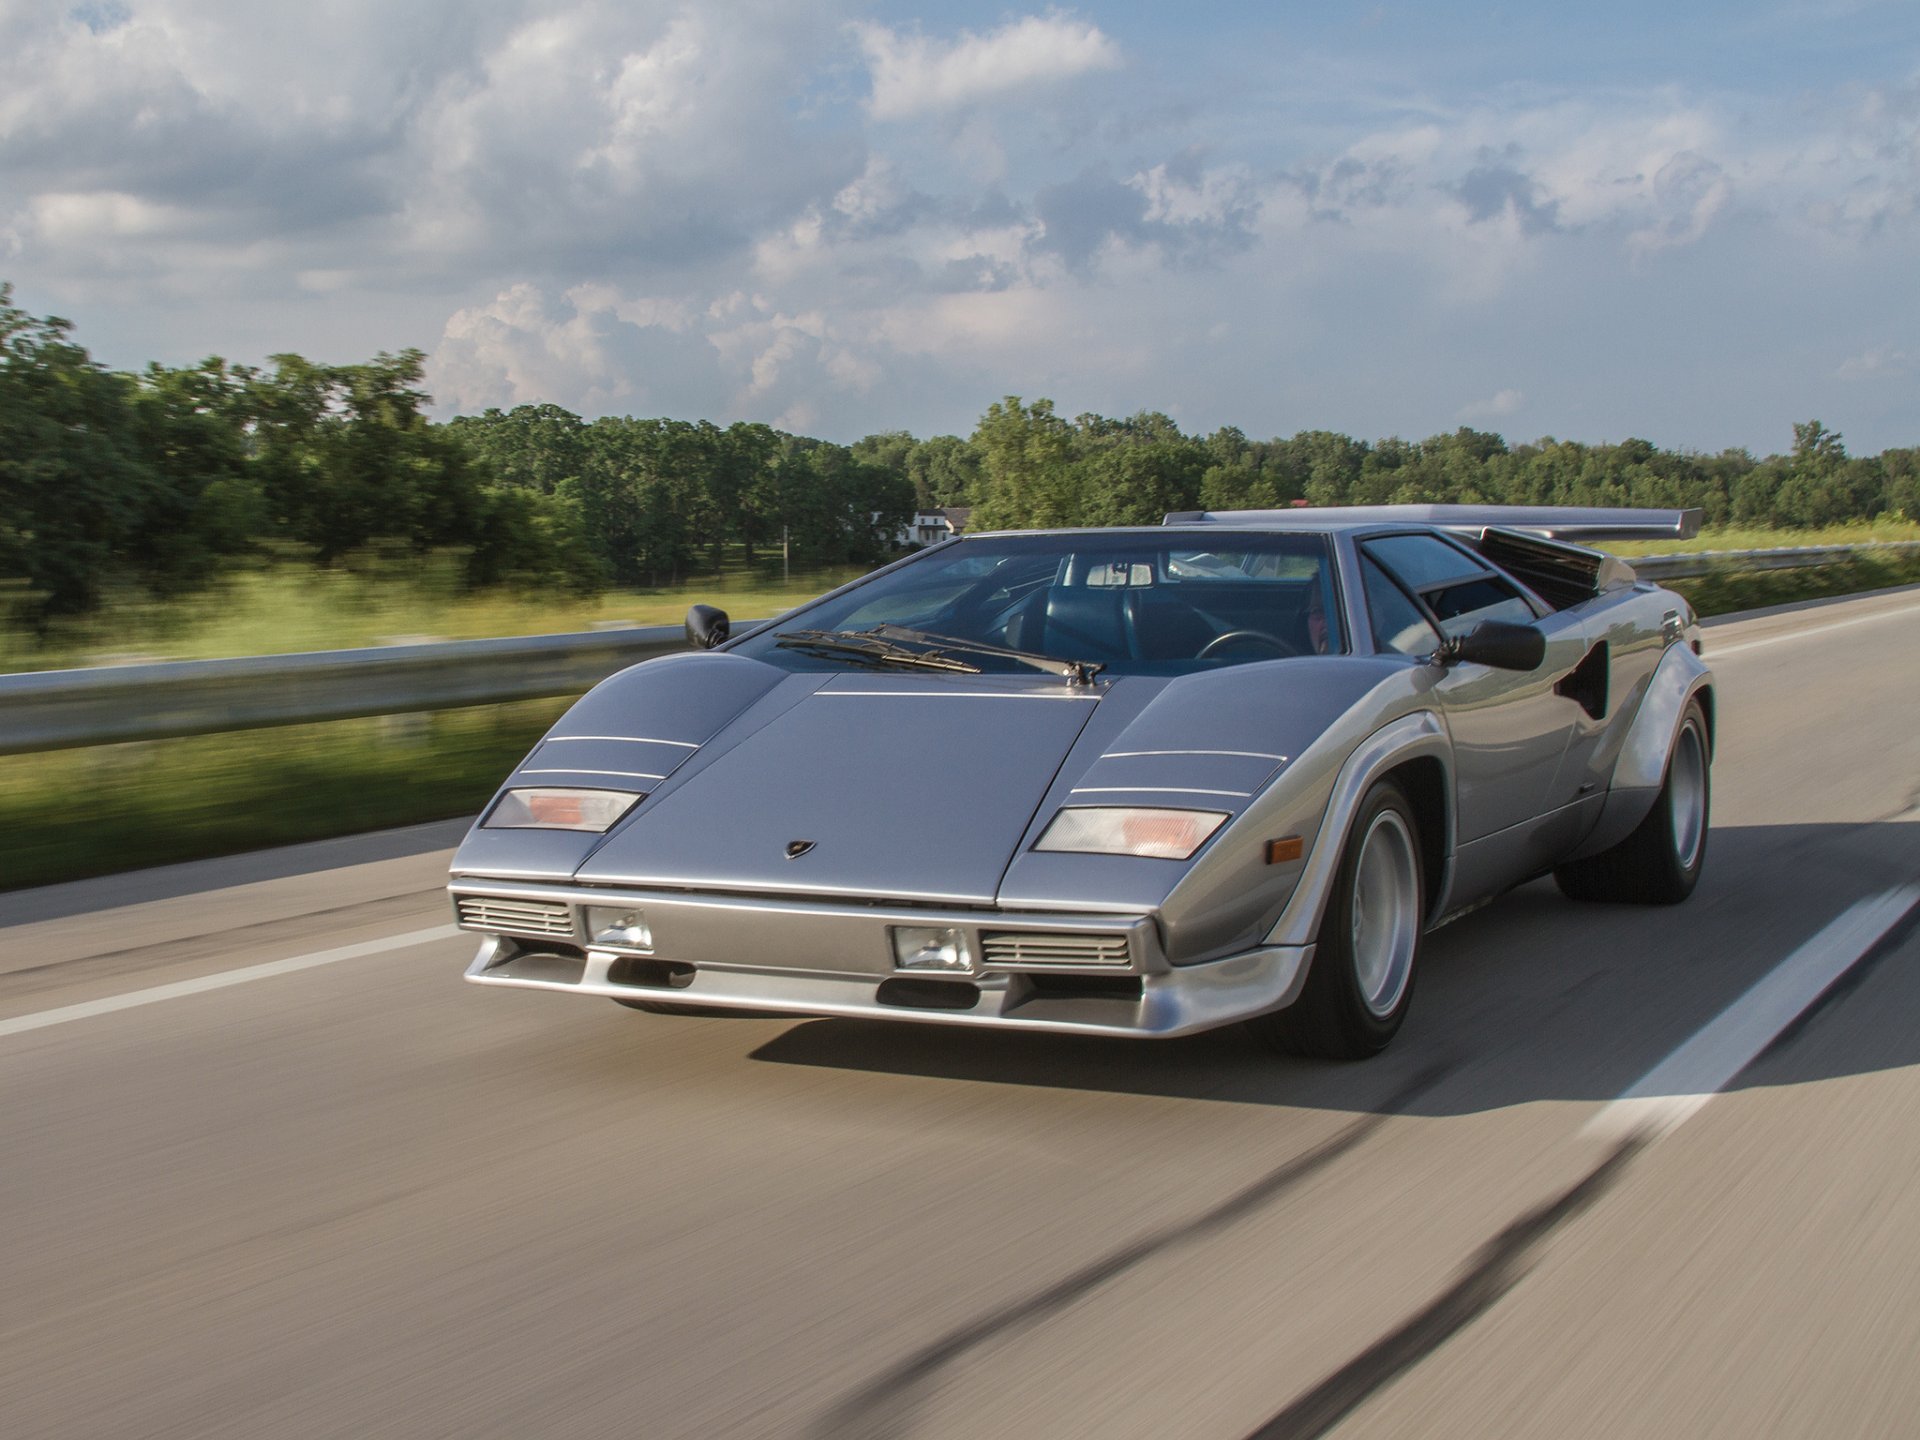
{"x":1360,"y":982}
{"x":1661,"y":861}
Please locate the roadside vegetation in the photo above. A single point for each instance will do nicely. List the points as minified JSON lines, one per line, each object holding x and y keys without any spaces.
{"x":283,"y":608}
{"x":75,"y":813}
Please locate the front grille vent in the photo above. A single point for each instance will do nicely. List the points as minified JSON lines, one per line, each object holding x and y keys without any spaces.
{"x":514,"y":917}
{"x":1059,"y":947}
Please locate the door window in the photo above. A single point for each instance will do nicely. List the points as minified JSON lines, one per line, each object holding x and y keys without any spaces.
{"x":1455,"y":590}
{"x":1397,"y":621}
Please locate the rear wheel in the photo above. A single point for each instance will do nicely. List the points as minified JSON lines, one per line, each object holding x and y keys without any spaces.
{"x":1361,"y":979}
{"x":1660,"y":862}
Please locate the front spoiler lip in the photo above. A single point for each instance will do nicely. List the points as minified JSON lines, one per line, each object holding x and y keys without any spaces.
{"x":1173,"y":1002}
{"x":830,"y":958}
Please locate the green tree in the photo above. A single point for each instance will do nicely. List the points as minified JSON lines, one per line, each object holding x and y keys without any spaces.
{"x":1026,"y":454}
{"x":945,"y":470}
{"x":191,"y":425}
{"x":73,"y":484}
{"x":345,"y":456}
{"x":1901,"y":493}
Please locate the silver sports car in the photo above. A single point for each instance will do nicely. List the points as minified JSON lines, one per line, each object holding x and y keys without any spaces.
{"x":1128,"y":782}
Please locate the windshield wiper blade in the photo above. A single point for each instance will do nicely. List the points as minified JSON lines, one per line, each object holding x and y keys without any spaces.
{"x":1076,"y":672}
{"x":865,"y":648}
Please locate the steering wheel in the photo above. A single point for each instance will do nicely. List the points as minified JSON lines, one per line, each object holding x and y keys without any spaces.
{"x":1238,"y":637}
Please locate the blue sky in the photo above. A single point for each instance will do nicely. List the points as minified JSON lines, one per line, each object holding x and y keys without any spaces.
{"x":1692,"y":223}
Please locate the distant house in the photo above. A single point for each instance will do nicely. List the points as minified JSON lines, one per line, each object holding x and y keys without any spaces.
{"x":930,"y":527}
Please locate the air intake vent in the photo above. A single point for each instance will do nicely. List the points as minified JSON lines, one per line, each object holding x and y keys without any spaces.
{"x":1069,"y":947}
{"x":514,"y":917}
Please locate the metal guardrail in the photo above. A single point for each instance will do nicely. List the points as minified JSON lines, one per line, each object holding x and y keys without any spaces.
{"x":64,"y":709}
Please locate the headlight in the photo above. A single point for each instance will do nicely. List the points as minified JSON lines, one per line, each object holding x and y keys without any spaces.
{"x":556,"y":809}
{"x":619,"y":929}
{"x":1128,"y":830}
{"x":930,"y":947}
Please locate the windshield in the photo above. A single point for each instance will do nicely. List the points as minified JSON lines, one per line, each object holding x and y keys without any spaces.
{"x":1134,"y":602}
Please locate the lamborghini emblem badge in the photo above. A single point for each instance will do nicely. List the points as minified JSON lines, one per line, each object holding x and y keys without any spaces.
{"x":797,"y":848}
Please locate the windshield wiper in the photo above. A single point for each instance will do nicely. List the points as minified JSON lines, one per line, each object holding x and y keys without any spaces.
{"x":1076,"y":672}
{"x":864,"y":647}
{"x":887,"y":645}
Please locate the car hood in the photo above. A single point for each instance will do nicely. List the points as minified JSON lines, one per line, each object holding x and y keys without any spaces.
{"x":887,"y":785}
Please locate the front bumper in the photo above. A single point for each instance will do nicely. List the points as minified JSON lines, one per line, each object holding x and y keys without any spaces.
{"x":835,"y":958}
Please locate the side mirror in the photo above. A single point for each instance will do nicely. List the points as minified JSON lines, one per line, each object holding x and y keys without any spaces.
{"x":706,"y":627}
{"x":1502,"y":645}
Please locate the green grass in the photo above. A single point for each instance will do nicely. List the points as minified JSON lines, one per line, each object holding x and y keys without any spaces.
{"x":293,"y":607}
{"x":1726,"y":591}
{"x":1864,"y":532}
{"x":76,"y":813}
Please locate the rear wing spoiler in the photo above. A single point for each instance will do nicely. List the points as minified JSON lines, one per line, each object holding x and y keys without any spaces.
{"x":1554,"y":522}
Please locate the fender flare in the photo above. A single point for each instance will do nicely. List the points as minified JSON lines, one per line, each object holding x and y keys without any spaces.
{"x":1414,"y":736}
{"x":1641,"y":768}
{"x":1678,"y":677}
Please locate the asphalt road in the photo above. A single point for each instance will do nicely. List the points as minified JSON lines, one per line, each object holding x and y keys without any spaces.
{"x":353,"y":1196}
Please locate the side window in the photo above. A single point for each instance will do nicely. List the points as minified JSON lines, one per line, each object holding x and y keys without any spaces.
{"x":1487,"y":597}
{"x":1397,"y":624}
{"x":1457,"y":587}
{"x":1423,"y":561}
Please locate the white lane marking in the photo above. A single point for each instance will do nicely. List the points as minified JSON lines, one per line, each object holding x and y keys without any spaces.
{"x":1671,"y":1093}
{"x":155,"y":994}
{"x":1715,"y":652}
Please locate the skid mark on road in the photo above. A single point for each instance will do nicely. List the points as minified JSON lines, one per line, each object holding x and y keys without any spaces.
{"x":885,"y":1407}
{"x":1770,"y":1013}
{"x":1503,"y":1262}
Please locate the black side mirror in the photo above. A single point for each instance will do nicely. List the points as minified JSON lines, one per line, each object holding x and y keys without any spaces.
{"x":706,"y":627}
{"x":1502,"y":645}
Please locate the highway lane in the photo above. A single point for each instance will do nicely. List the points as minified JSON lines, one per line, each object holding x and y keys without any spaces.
{"x":364,"y":1198}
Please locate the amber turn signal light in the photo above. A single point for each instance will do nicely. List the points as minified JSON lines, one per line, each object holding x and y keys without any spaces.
{"x":1281,"y":851}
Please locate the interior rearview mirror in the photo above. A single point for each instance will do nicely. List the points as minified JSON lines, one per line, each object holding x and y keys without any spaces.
{"x":706,"y":627}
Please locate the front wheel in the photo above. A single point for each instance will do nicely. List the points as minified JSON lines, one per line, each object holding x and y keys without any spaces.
{"x":1361,"y":979}
{"x":1660,"y":862}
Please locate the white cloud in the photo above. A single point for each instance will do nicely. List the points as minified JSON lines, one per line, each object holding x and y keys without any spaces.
{"x":1688,"y":192}
{"x":1495,"y":407}
{"x":1883,"y":362}
{"x":663,"y":207}
{"x":518,"y":350}
{"x":913,"y":74}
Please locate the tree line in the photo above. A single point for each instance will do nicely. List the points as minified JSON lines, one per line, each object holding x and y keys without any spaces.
{"x":1037,"y":468}
{"x":161,"y":479}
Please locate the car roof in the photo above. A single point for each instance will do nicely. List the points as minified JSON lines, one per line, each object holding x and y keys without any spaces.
{"x":1214,"y":530}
